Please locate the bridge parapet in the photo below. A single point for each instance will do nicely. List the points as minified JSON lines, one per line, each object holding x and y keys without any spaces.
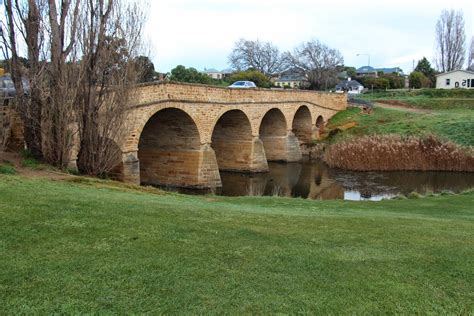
{"x":196,"y":93}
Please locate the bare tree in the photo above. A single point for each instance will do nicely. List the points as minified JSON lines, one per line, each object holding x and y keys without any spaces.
{"x":63,"y":77}
{"x":262,"y":56}
{"x":46,"y":104}
{"x":110,"y":40}
{"x":470,"y":56}
{"x":317,"y":62}
{"x":450,"y":41}
{"x":81,"y":70}
{"x":24,"y":24}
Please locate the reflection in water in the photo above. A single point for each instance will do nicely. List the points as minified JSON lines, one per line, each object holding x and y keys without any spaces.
{"x":304,"y":180}
{"x":314,"y":180}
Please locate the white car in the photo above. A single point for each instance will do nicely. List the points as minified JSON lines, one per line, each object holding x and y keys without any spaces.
{"x":243,"y":84}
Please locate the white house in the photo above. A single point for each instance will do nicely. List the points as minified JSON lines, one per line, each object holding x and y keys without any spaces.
{"x":216,"y":74}
{"x":349,"y":86}
{"x":213,"y":73}
{"x":455,"y":79}
{"x":291,"y":81}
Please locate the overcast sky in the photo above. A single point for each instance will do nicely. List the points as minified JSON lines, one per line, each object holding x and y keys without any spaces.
{"x":201,"y":33}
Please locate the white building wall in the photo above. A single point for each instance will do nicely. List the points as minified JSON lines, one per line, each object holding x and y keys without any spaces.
{"x":214,"y":75}
{"x":456,"y":79}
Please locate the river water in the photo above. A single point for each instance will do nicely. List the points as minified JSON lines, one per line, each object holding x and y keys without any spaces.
{"x":315,"y":180}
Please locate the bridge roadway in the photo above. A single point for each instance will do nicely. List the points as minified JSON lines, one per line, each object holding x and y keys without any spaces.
{"x":183,"y":134}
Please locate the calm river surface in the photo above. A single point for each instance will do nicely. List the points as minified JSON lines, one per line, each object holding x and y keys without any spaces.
{"x":315,"y":180}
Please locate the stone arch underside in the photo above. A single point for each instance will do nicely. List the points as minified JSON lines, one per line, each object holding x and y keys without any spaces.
{"x":279,"y":143}
{"x":170,"y":152}
{"x":319,"y":125}
{"x":302,"y":125}
{"x":320,"y":121}
{"x":235,"y":147}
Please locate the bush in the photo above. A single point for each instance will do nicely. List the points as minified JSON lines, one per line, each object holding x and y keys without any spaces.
{"x":7,"y":169}
{"x":393,"y":152}
{"x":30,"y":162}
{"x":395,"y":81}
{"x":376,"y":83}
{"x":191,"y":75}
{"x":414,"y":195}
{"x":419,"y":80}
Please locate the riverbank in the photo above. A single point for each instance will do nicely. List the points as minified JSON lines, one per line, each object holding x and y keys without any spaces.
{"x":439,"y":139}
{"x":82,"y":245}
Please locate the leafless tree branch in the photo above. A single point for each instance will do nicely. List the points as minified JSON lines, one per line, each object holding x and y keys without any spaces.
{"x":262,"y":56}
{"x":316,"y":62}
{"x":450,"y":41}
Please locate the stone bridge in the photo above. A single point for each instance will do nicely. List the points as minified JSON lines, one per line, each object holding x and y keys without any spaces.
{"x":182,"y":134}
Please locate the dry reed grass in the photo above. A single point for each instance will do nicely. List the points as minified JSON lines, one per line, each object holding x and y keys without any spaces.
{"x":394,"y":152}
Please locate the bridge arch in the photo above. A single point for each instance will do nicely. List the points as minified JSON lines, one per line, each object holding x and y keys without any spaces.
{"x":273,"y":123}
{"x":302,"y":124}
{"x":169,"y":148}
{"x":232,"y":141}
{"x":320,"y":121}
{"x":273,"y":133}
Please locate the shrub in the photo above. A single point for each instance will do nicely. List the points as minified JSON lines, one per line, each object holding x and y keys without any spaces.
{"x":377,"y":83}
{"x":30,"y":162}
{"x":7,"y":169}
{"x":414,"y":195}
{"x":394,"y":152}
{"x":419,"y":80}
{"x":395,"y":81}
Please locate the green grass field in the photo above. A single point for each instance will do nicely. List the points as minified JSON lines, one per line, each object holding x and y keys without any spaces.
{"x":94,"y":247}
{"x":437,"y":99}
{"x":456,"y":125}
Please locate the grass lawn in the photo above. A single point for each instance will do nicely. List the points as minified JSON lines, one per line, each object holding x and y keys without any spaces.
{"x":437,"y":99}
{"x":90,"y":247}
{"x":456,"y":125}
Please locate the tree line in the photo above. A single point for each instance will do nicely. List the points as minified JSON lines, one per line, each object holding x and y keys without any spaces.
{"x":259,"y":61}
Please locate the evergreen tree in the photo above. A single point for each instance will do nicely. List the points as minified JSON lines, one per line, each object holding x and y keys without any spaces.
{"x":424,"y":66}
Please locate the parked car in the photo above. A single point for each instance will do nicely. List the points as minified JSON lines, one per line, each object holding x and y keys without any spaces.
{"x":243,"y":84}
{"x":7,"y":89}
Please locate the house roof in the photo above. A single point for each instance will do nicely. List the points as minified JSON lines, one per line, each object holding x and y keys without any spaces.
{"x":390,"y":70}
{"x":210,"y":70}
{"x":365,"y":69}
{"x":370,"y":69}
{"x":460,"y":70}
{"x":291,"y":77}
{"x":347,"y":84}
